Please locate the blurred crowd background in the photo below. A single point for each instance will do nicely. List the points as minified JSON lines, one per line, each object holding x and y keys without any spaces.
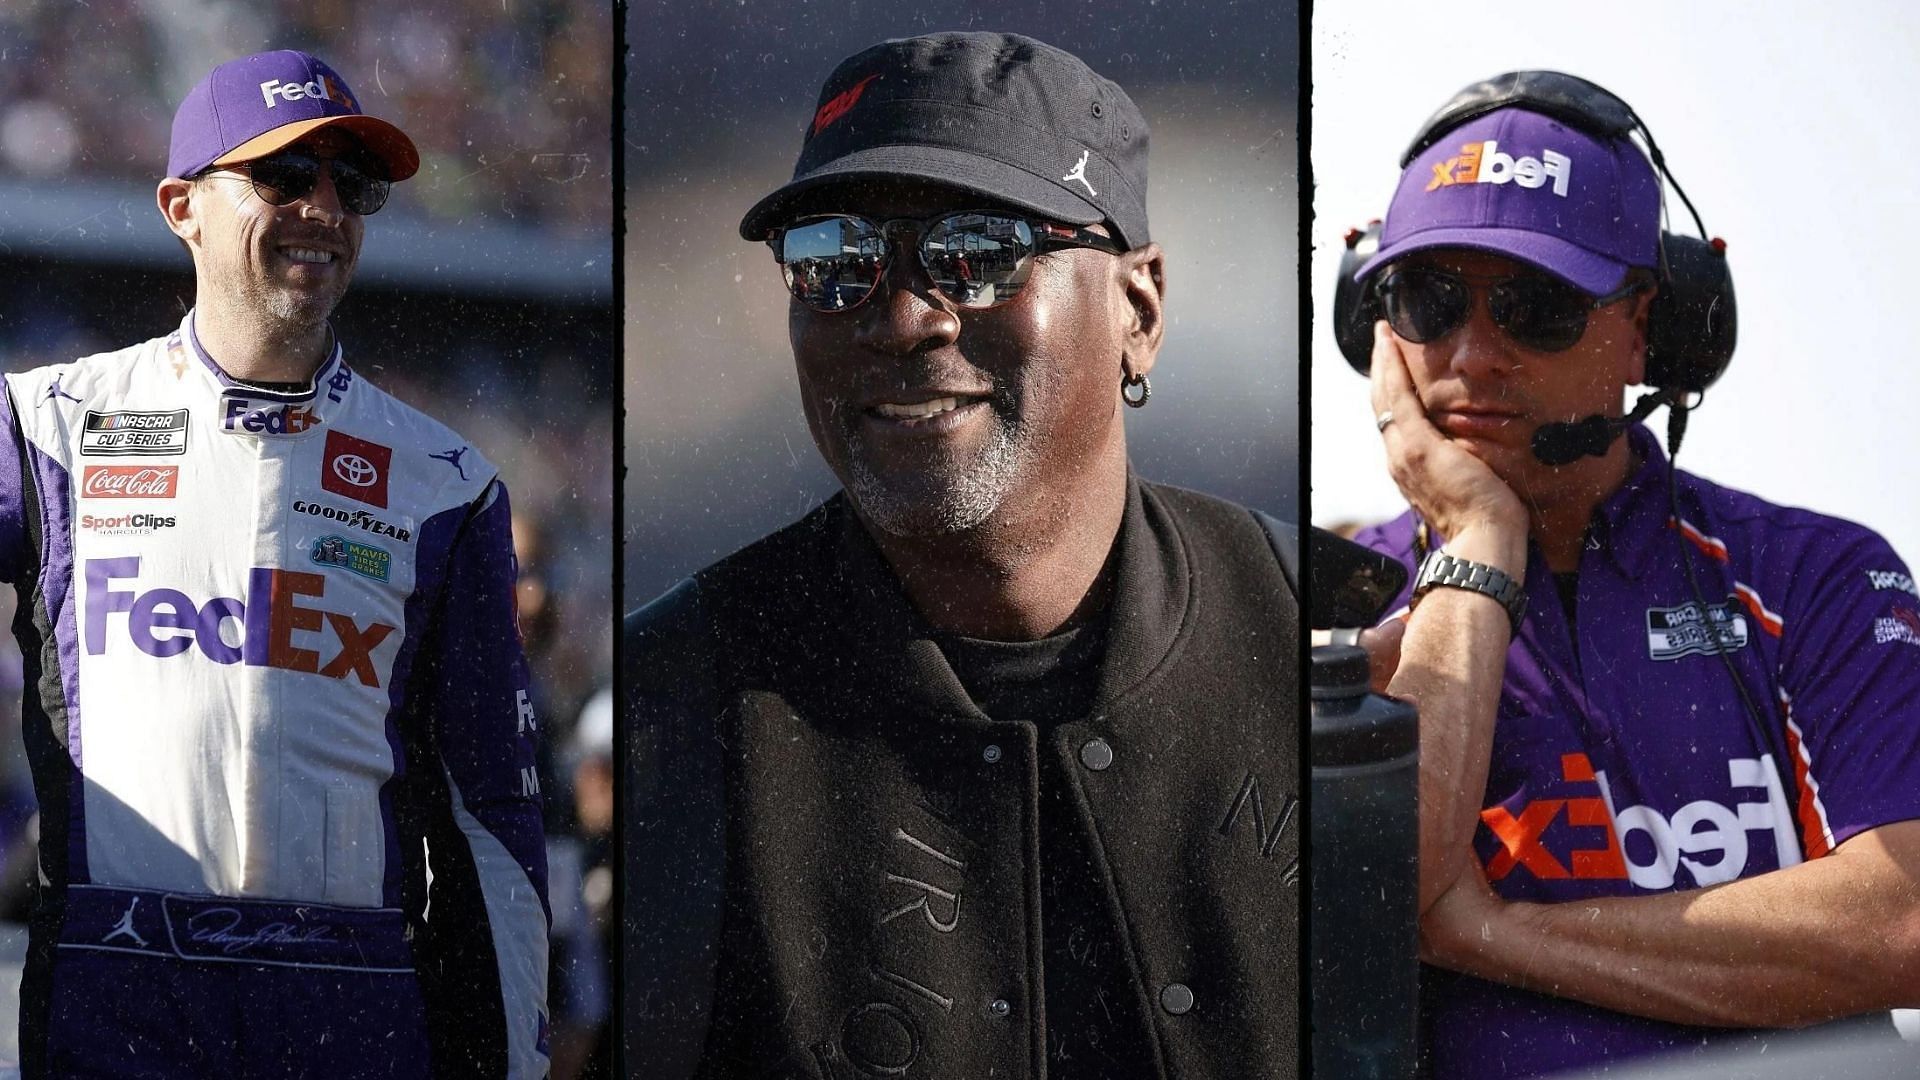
{"x":507,"y":101}
{"x":717,"y":451}
{"x":484,"y":297}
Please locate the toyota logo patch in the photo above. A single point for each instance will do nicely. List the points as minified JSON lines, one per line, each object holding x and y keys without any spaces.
{"x":356,"y":468}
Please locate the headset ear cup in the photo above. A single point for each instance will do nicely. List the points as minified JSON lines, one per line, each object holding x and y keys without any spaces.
{"x":1692,"y":324}
{"x":1355,"y":306}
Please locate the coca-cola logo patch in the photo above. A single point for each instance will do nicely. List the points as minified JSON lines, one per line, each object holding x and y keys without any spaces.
{"x":356,"y":469}
{"x":130,"y":482}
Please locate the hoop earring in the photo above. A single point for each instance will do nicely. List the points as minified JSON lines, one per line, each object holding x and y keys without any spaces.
{"x":1130,"y":381}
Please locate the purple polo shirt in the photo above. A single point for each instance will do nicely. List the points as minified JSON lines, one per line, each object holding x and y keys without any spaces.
{"x":1624,"y":762}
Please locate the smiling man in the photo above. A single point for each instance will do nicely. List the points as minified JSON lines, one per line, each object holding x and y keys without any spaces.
{"x":274,"y":681}
{"x":989,"y":765}
{"x":1670,"y":786}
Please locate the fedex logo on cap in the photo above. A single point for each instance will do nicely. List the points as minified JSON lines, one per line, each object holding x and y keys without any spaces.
{"x":1483,"y":163}
{"x":321,"y":88}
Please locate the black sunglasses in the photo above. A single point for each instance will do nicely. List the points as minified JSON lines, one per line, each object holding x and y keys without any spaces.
{"x":1540,"y":312}
{"x":291,"y":174}
{"x":978,"y":259}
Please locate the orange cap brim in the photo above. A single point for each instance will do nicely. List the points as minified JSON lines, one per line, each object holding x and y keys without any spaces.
{"x":384,"y":141}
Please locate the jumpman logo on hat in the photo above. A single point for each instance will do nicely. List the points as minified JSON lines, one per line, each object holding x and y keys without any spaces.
{"x":1080,"y":173}
{"x":125,"y":926}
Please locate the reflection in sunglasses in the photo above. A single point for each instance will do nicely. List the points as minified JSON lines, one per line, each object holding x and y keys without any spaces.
{"x":977,"y":259}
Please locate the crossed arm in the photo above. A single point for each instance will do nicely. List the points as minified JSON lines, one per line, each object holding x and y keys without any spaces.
{"x":1828,"y":938}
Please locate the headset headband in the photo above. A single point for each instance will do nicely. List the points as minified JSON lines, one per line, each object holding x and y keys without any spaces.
{"x":1567,"y":98}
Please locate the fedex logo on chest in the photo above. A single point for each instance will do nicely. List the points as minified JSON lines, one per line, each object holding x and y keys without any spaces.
{"x":1597,"y":837}
{"x":276,"y":624}
{"x":242,"y":415}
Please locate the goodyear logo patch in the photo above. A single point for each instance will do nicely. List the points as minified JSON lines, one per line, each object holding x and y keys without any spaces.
{"x":363,"y":559}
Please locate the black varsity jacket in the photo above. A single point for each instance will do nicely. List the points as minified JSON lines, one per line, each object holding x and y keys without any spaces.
{"x":805,"y":764}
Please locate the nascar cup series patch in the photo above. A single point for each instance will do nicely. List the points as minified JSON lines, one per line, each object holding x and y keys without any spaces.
{"x":121,"y":434}
{"x":1674,"y":632}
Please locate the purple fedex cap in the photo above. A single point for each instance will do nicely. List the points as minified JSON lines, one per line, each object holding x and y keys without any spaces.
{"x":251,"y":107}
{"x":1524,"y":185}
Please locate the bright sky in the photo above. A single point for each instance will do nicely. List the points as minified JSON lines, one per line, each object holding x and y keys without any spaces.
{"x":1793,"y":128}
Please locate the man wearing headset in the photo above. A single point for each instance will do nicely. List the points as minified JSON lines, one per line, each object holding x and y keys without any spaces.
{"x":274,"y":678}
{"x":987,"y":766}
{"x":1651,"y":810}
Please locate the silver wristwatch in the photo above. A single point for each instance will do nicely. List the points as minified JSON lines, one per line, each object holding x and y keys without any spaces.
{"x":1440,"y":568}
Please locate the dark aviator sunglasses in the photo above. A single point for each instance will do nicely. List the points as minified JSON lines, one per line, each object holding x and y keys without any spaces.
{"x":1540,"y":312}
{"x":281,"y":178}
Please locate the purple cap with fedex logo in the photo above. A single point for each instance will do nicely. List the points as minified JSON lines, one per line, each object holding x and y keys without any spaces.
{"x":1524,"y":185}
{"x":257,"y":105}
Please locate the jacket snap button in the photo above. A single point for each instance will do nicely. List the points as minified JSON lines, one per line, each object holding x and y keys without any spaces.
{"x":1095,"y":754}
{"x":991,"y":754}
{"x":1176,"y":999}
{"x":999,"y":1008}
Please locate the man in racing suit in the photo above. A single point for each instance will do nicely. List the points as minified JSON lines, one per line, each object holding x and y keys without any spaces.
{"x":1654,"y":814}
{"x":273,"y":678}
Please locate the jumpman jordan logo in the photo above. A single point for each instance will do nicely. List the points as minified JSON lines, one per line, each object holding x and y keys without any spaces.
{"x":125,"y":926}
{"x":54,"y":391}
{"x":452,"y":457}
{"x":1080,"y":173}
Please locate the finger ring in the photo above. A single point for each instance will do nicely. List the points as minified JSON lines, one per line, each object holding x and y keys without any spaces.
{"x":1380,"y":422}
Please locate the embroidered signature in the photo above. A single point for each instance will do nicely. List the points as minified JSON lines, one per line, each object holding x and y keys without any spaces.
{"x":207,"y":927}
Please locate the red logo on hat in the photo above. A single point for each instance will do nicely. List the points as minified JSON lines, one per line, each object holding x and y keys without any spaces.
{"x":356,"y":468}
{"x":839,"y":104}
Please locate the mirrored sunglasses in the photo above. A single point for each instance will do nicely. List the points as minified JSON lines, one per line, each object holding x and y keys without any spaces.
{"x":977,"y":259}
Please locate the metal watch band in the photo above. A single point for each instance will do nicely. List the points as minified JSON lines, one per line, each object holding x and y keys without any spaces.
{"x":1440,"y":568}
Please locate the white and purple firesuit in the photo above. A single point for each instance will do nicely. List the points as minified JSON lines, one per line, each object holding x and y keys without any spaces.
{"x":1624,"y":761}
{"x":274,"y":688}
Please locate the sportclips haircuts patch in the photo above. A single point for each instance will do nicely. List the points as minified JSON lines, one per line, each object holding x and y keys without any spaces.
{"x":1674,"y":632}
{"x":128,"y":434}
